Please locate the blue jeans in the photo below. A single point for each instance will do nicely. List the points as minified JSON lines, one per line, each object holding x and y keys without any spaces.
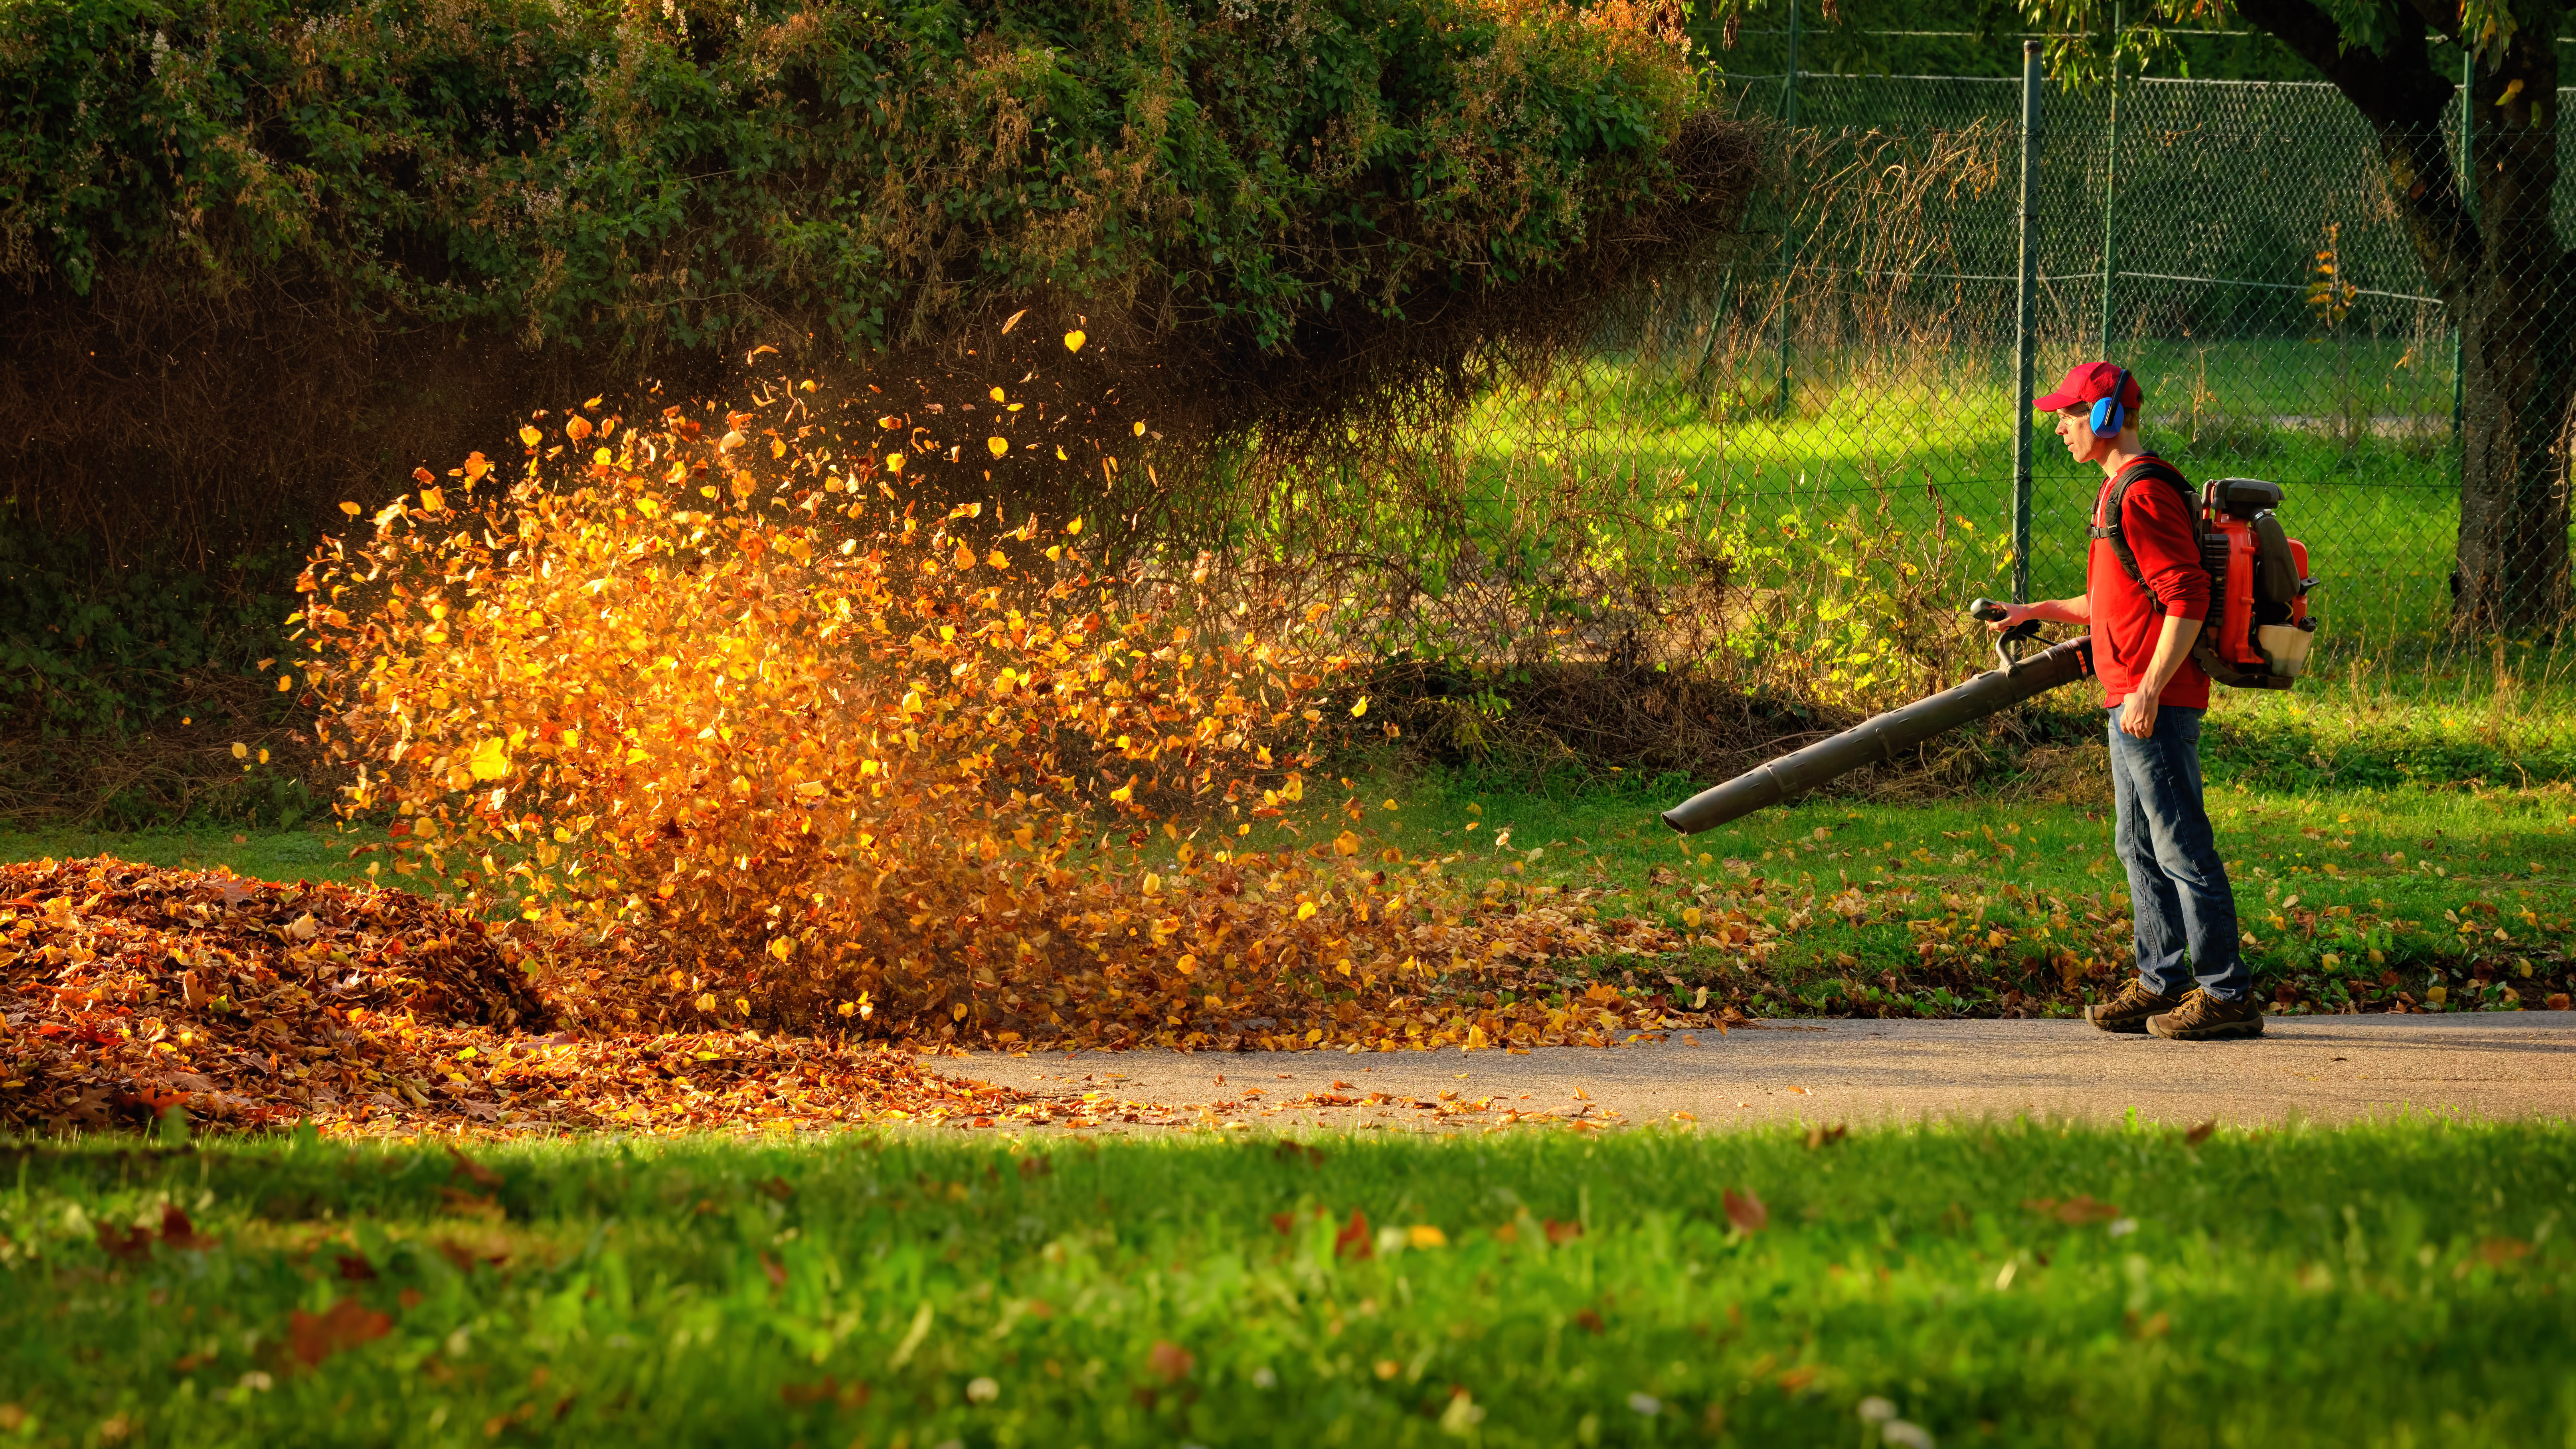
{"x":2177,"y":886}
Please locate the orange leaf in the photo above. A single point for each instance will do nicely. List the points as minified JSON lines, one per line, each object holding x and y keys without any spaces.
{"x":348,"y":1323}
{"x":1354,"y":1238}
{"x":1170,"y":1361}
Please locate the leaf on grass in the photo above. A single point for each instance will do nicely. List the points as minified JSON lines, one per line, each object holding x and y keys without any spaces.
{"x":178,"y":1232}
{"x":2200,"y":1134}
{"x":1169,"y":1361}
{"x":125,"y":1243}
{"x":313,"y":1337}
{"x":2499,"y":1251}
{"x":1746,"y":1211}
{"x":1354,"y":1238}
{"x":2077,"y":1210}
{"x":482,"y":1176}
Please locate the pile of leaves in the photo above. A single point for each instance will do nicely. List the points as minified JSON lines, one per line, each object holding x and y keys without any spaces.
{"x":132,"y":990}
{"x":744,"y":735}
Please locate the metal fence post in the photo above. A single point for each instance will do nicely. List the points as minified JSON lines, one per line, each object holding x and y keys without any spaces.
{"x":2111,"y":186}
{"x":2025,"y":320}
{"x":1789,"y":227}
{"x":2468,"y":203}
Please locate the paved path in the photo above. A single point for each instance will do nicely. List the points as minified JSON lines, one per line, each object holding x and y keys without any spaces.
{"x":2317,"y":1069}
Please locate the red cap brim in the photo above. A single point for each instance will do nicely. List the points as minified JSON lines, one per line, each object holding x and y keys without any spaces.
{"x":2056,"y":402}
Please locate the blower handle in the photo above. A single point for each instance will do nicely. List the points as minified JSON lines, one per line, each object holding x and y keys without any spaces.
{"x":1991,"y":612}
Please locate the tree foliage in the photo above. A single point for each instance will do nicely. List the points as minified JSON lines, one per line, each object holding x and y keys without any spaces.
{"x":709,"y":174}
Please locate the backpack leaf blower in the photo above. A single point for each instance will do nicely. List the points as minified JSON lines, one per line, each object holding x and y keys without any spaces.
{"x":2260,"y":641}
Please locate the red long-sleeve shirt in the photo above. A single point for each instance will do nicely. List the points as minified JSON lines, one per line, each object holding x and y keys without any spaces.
{"x":2127,"y":619}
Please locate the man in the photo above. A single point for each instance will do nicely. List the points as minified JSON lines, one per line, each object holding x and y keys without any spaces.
{"x":2145,"y":609}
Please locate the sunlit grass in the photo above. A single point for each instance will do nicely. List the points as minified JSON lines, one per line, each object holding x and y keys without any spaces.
{"x":2379,"y":510}
{"x":2020,"y":1283}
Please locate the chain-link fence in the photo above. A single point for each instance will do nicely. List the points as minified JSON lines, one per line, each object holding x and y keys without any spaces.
{"x":2233,"y":243}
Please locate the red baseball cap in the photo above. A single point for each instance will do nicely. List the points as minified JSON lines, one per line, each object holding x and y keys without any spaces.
{"x":2086,"y":384}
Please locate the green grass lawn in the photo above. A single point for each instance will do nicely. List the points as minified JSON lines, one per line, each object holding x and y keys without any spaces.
{"x":2378,"y":509}
{"x":2012,"y":1284}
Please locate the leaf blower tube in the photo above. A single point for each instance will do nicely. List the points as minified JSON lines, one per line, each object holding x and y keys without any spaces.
{"x":1886,"y":736}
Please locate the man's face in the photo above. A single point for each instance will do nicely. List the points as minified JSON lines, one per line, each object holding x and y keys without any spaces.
{"x":2075,"y":429}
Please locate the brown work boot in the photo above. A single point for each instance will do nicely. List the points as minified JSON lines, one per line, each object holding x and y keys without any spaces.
{"x":2203,"y":1017}
{"x":2129,"y":1010}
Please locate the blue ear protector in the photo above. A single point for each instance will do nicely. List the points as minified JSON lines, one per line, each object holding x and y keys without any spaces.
{"x":2110,"y":414}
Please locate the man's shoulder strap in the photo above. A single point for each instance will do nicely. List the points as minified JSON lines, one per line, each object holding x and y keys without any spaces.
{"x":2149,"y":466}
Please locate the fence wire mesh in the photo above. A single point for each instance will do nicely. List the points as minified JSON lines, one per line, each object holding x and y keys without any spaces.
{"x":2233,"y":243}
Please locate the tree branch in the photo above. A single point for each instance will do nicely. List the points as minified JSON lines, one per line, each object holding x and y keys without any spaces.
{"x":2399,"y":93}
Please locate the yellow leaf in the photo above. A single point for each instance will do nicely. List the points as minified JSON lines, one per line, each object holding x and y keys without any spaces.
{"x":1305,"y":910}
{"x":965,"y":558}
{"x":1346,"y":844}
{"x":1691,"y":918}
{"x":433,"y":500}
{"x":1360,"y":708}
{"x":894,"y":462}
{"x":240,"y":751}
{"x":1423,"y":1235}
{"x":1074,"y":527}
{"x":1073,"y":340}
{"x":997,"y":395}
{"x":996,"y":560}
{"x":997,"y":446}
{"x":490,"y":761}
{"x":783,"y":947}
{"x":1188,"y":964}
{"x":1140,"y":428}
{"x":707,"y":1001}
{"x":530,"y":436}
{"x":350,"y":509}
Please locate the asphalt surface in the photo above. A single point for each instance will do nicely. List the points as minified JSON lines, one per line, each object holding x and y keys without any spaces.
{"x":2321,"y":1069}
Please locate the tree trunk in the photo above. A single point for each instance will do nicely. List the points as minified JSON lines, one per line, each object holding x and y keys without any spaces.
{"x":2518,"y":358}
{"x":2494,"y":256}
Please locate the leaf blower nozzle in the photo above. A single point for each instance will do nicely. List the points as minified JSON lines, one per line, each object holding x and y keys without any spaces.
{"x":1889,"y":735}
